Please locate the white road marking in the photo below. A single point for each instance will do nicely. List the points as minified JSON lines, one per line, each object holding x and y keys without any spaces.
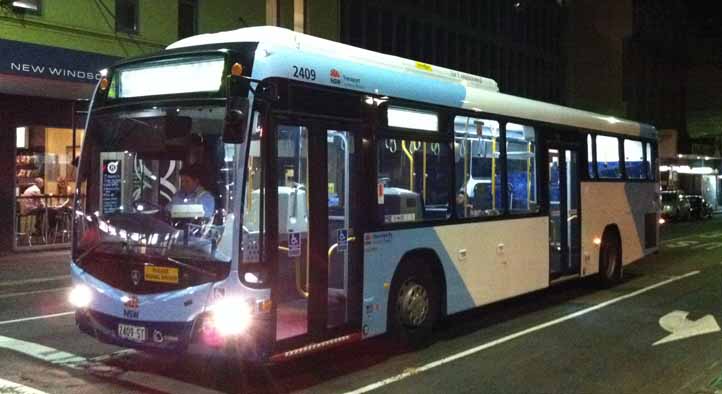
{"x":413,"y":371}
{"x":43,"y":353}
{"x":7,"y":386}
{"x":69,"y":360}
{"x":33,"y":280}
{"x":681,"y":328}
{"x":711,"y":234}
{"x":36,"y":318}
{"x":677,"y":238}
{"x":27,"y":293}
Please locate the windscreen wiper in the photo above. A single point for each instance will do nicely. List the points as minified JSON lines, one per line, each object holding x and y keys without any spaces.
{"x":192,"y":267}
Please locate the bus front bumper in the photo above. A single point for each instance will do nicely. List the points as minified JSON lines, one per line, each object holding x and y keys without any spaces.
{"x":176,"y":337}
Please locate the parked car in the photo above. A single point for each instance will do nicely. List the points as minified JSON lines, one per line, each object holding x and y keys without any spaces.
{"x":675,"y":206}
{"x":699,"y":208}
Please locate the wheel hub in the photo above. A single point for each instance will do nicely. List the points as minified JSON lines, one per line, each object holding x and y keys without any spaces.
{"x":413,"y":304}
{"x":611,"y":260}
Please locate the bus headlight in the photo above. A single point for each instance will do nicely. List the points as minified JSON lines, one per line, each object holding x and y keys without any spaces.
{"x":230,"y":316}
{"x":80,"y":296}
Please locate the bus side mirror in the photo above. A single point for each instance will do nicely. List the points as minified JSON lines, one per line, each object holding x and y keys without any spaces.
{"x":234,"y":124}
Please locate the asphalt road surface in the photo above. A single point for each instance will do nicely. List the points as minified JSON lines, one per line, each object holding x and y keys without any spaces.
{"x":657,"y":332}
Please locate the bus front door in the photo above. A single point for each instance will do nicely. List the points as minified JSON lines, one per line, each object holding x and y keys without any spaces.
{"x":318,"y":257}
{"x":564,"y":219}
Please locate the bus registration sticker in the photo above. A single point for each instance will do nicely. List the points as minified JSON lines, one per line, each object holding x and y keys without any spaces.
{"x":294,"y":244}
{"x":161,"y":274}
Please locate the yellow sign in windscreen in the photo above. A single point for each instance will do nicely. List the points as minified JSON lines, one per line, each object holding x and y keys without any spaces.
{"x":161,"y":274}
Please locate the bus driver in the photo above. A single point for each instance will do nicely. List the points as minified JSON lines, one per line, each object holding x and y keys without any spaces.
{"x":191,"y":192}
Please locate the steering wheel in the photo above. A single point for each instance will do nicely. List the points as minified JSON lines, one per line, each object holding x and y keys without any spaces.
{"x":146,"y":207}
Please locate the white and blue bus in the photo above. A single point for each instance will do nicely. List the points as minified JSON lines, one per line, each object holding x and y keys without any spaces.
{"x":353,"y":194}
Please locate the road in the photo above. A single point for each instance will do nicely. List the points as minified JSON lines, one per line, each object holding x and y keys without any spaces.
{"x":657,"y":332}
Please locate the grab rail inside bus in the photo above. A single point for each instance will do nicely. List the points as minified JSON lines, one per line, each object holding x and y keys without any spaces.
{"x":411,"y":164}
{"x":528,"y":176}
{"x":299,"y":285}
{"x":493,"y":173}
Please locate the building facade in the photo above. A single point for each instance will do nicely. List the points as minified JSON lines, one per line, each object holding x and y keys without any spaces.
{"x":53,"y":52}
{"x":516,"y":43}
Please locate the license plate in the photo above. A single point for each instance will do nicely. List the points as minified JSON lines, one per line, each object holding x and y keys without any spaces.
{"x":133,"y":333}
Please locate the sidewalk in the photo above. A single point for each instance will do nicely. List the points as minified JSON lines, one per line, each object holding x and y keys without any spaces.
{"x":23,"y":271}
{"x":33,"y":257}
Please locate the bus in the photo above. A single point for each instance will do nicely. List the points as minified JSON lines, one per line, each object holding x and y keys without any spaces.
{"x":353,"y":194}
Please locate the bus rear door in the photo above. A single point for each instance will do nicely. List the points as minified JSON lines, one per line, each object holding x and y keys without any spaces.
{"x":564,"y":211}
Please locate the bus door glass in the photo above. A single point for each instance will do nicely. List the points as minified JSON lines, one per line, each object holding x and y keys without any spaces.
{"x":293,"y":231}
{"x":315,"y":232}
{"x":564,"y":220}
{"x":341,"y":164}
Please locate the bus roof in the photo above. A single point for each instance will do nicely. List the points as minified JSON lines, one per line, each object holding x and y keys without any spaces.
{"x":283,"y":53}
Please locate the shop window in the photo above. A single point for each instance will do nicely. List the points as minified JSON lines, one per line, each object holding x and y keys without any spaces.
{"x":45,"y":181}
{"x":608,"y":157}
{"x":521,"y":168}
{"x":634,"y":163}
{"x":187,"y":18}
{"x":413,"y":180}
{"x":21,"y":138}
{"x":477,"y":167}
{"x":126,"y":16}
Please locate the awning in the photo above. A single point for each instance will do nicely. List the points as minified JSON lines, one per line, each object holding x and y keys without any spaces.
{"x":38,"y":70}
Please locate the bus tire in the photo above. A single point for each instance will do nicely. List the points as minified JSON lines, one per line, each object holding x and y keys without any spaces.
{"x":413,"y":306}
{"x":610,"y":260}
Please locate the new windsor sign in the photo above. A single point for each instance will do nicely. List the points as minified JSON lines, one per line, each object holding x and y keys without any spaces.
{"x":41,"y":61}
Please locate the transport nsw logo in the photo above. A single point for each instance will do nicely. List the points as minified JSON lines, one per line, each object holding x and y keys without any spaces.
{"x":132,"y":302}
{"x":344,"y":79}
{"x":335,"y":76}
{"x":131,"y":306}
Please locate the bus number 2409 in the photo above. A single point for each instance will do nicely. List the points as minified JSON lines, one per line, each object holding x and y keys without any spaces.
{"x":304,"y":73}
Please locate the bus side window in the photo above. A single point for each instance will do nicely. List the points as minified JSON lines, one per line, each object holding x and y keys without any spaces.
{"x":521,"y":168}
{"x":413,"y":180}
{"x":477,"y":167}
{"x":634,"y":163}
{"x":608,"y":157}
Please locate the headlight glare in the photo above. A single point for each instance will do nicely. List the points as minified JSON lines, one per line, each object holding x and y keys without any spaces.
{"x":230,"y":316}
{"x":80,"y":296}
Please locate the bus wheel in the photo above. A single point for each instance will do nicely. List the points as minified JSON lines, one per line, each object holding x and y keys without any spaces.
{"x":413,"y":307}
{"x":610,"y":261}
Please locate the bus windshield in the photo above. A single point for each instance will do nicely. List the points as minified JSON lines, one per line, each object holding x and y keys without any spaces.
{"x":157,"y":184}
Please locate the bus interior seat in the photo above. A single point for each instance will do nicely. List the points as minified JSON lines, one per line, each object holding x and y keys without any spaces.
{"x":482,"y":196}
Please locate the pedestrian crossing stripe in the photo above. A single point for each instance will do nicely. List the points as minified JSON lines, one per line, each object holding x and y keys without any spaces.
{"x":7,"y":386}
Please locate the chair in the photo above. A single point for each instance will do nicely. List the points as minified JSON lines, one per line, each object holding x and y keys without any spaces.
{"x":60,"y":233}
{"x":25,"y":226}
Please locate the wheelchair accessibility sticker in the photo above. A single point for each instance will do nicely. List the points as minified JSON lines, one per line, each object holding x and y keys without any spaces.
{"x":294,"y":244}
{"x":342,"y":239}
